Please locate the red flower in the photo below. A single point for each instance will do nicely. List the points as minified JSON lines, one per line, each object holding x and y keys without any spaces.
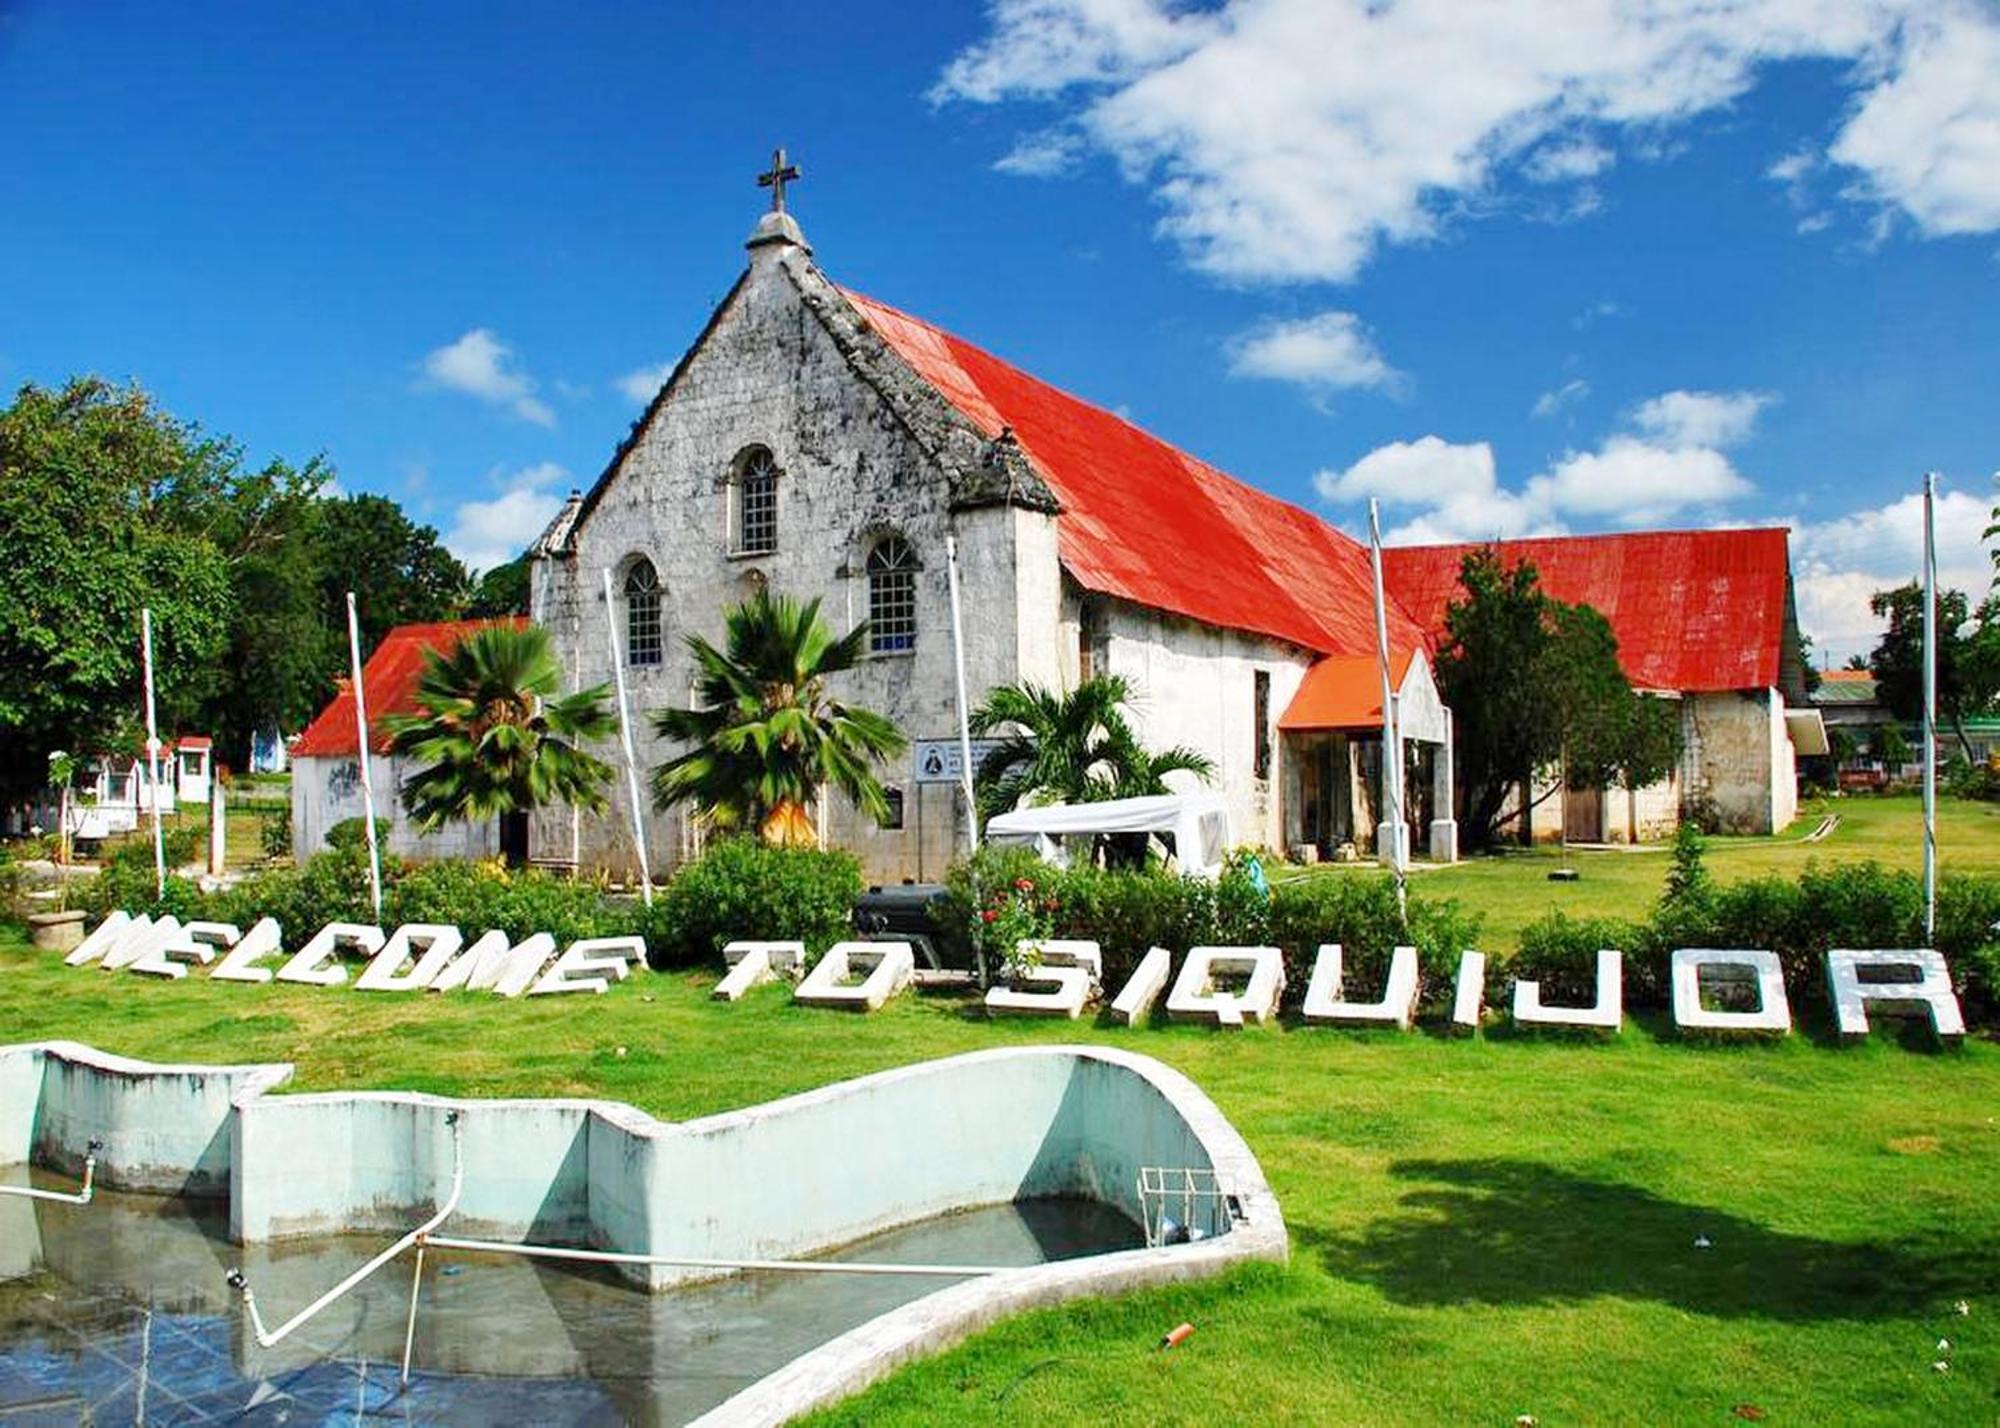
{"x":1024,"y":885}
{"x":989,"y":916}
{"x":1049,"y":906}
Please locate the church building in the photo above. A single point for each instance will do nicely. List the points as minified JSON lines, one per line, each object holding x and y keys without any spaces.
{"x":823,"y":444}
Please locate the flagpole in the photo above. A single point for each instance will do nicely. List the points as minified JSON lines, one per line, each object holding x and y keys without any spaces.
{"x":625,"y":739}
{"x":1930,"y":709}
{"x":964,"y":715}
{"x":152,"y":752}
{"x":361,"y":743}
{"x":1392,"y":744}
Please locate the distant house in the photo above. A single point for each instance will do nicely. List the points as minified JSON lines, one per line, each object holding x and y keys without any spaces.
{"x":1703,"y":618}
{"x":116,"y":790}
{"x":326,"y":761}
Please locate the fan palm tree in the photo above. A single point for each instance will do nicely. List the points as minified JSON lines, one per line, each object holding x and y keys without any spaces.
{"x":496,"y":738}
{"x":766,"y":734}
{"x":1070,"y":748}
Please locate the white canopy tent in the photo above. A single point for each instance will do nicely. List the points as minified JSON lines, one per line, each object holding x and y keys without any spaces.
{"x":1197,"y":824}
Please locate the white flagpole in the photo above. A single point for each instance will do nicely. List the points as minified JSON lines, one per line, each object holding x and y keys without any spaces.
{"x":964,"y":714}
{"x":1392,"y":743}
{"x":1930,"y":710}
{"x":152,"y":751}
{"x":625,"y":738}
{"x":361,"y":743}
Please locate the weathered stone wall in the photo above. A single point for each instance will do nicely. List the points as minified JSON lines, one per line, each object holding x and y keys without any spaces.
{"x":1739,"y":768}
{"x":326,"y":791}
{"x":769,"y":372}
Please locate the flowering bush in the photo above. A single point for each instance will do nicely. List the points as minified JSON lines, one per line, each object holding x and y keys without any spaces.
{"x":1022,"y":910}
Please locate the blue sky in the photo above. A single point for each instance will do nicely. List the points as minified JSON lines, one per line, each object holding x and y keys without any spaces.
{"x":1508,"y":268}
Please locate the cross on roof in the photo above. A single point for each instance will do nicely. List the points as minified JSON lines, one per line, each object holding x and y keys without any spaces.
{"x":781,"y":174}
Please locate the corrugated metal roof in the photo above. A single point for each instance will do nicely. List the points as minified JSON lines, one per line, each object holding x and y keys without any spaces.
{"x":390,"y":677}
{"x":1693,"y":610}
{"x":1149,"y":523}
{"x":1342,"y":692}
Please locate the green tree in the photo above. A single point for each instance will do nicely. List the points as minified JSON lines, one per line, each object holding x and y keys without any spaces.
{"x":95,"y":486}
{"x":404,"y":576}
{"x":1968,"y":657}
{"x":501,"y":591}
{"x":494,"y":735}
{"x":766,"y":733}
{"x":1535,"y":683}
{"x":1074,"y":747}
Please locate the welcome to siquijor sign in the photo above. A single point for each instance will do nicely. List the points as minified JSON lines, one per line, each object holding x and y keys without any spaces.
{"x":415,"y":957}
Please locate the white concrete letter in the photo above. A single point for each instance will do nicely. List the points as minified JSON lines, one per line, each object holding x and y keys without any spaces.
{"x":750,"y":963}
{"x":1607,"y":1015}
{"x":431,"y":943}
{"x":315,"y":964}
{"x":1064,"y":974}
{"x":1928,"y":993}
{"x":494,"y":964}
{"x":1326,"y":992}
{"x":579,"y":970}
{"x":260,"y":942}
{"x":891,"y":966}
{"x":1773,"y":1013}
{"x":1134,"y":1002}
{"x":105,"y":936}
{"x":1469,"y":995}
{"x":196,"y":942}
{"x":1195,"y":998}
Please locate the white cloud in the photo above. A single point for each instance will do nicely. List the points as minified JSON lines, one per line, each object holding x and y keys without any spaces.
{"x":481,"y":365}
{"x":1636,"y":483}
{"x":1041,"y":155}
{"x":1838,"y":564}
{"x":1330,"y":349}
{"x":1670,"y":462}
{"x":1286,"y":140}
{"x":1553,"y":401}
{"x":487,"y":533}
{"x":1454,"y":481}
{"x":642,"y":384}
{"x":1682,"y":418}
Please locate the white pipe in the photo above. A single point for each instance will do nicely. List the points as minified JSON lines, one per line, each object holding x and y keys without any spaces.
{"x":361,"y":742}
{"x":1930,"y":710}
{"x":625,"y":738}
{"x":1392,"y":744}
{"x":62,"y":1197}
{"x":272,"y":1336}
{"x":152,"y":752}
{"x":964,"y":713}
{"x":790,"y":1266}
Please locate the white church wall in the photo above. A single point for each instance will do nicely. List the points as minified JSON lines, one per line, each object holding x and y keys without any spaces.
{"x":1740,"y":767}
{"x":1197,"y":686}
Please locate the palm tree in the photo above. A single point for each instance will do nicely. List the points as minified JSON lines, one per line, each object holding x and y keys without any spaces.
{"x":1070,"y":748}
{"x":766,"y":734}
{"x":495,"y":737}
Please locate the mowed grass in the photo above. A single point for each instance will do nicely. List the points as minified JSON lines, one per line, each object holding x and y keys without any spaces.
{"x":1479,"y":1228}
{"x":1511,"y":889}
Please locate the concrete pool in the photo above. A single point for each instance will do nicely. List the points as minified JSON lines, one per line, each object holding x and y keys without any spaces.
{"x":1030,"y":1158}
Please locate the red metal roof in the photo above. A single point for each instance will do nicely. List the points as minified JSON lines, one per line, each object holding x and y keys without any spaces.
{"x":1343,"y":692}
{"x":1149,"y":523}
{"x":1692,"y":610}
{"x":390,"y":678}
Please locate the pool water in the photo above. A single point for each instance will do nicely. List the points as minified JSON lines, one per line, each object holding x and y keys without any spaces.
{"x":117,"y":1312}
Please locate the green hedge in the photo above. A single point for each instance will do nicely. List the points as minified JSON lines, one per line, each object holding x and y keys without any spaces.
{"x":743,"y":888}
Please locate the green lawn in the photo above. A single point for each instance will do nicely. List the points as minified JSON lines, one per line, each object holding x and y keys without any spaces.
{"x":1480,"y":1228}
{"x":1512,"y":889}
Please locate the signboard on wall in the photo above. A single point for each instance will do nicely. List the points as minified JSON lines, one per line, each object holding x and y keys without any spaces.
{"x":937,"y":760}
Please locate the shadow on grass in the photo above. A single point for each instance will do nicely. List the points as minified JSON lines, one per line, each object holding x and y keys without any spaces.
{"x":1511,"y":1232}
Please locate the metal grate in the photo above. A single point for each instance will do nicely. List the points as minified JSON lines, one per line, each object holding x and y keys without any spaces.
{"x":1180,"y":1203}
{"x":892,"y":597}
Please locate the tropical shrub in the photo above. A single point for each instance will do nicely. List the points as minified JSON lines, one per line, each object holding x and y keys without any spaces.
{"x":1559,"y":952}
{"x":1359,"y":912}
{"x":330,"y":886}
{"x":487,"y":896}
{"x":746,"y":888}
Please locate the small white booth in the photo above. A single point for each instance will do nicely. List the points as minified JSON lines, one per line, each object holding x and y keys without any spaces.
{"x":1192,"y":827}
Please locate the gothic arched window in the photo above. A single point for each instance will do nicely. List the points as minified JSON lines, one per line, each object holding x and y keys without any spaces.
{"x":755,"y":527}
{"x":643,"y":641}
{"x":892,"y":596}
